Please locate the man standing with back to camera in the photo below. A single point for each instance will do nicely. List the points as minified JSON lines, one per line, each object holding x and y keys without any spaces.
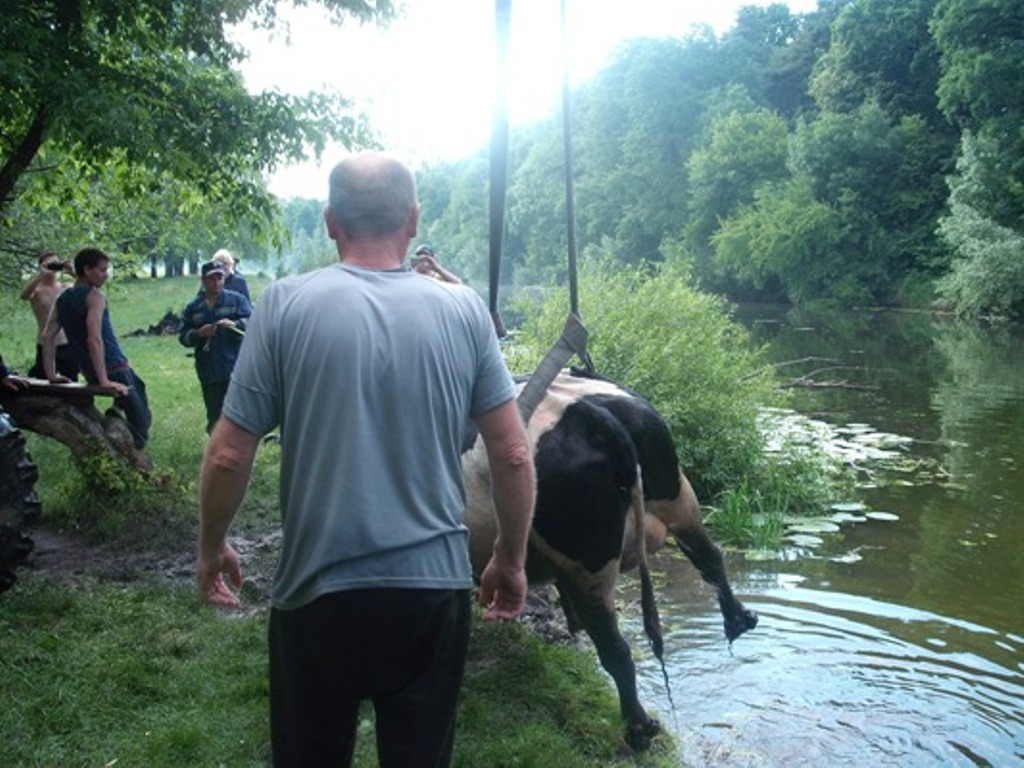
{"x":373,"y":374}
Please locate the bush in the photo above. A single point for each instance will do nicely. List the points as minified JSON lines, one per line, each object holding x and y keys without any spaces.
{"x":678,"y":348}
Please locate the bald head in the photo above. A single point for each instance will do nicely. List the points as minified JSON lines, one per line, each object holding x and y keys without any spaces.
{"x":372,"y":195}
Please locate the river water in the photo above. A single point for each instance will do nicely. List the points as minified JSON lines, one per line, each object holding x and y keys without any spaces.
{"x":893,"y":642}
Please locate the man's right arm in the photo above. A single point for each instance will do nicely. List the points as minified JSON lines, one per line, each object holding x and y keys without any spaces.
{"x":189,"y":335}
{"x":513,"y":487}
{"x":30,"y":286}
{"x":223,"y":479}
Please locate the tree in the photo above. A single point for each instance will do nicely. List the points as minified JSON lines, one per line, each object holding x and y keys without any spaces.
{"x":787,"y":242}
{"x":980,"y":42}
{"x":137,"y":213}
{"x":745,"y":151}
{"x":460,"y":234}
{"x":886,"y":178}
{"x":151,"y":85}
{"x":987,"y":274}
{"x":750,"y":47}
{"x":635,"y":126}
{"x":881,"y":51}
{"x":788,"y":70}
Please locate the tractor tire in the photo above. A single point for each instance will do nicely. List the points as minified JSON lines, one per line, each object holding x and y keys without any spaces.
{"x":19,"y":507}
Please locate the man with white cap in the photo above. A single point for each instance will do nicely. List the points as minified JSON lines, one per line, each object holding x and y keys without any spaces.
{"x":233,"y":279}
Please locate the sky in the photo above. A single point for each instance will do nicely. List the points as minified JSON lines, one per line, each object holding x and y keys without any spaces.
{"x":428,"y":80}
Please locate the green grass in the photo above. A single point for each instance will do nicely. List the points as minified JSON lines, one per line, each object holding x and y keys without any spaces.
{"x":130,"y":672}
{"x":139,"y":674}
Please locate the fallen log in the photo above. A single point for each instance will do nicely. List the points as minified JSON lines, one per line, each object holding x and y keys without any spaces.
{"x":67,"y":413}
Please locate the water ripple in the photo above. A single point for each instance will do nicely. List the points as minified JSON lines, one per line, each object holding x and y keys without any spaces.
{"x":831,"y":678}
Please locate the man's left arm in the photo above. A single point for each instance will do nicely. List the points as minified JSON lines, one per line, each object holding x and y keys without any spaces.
{"x":243,"y":311}
{"x":513,"y":489}
{"x":95,"y":303}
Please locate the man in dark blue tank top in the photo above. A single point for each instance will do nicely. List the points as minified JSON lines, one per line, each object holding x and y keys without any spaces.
{"x":81,"y":311}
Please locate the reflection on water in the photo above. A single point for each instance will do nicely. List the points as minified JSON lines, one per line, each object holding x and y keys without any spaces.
{"x":914,"y":654}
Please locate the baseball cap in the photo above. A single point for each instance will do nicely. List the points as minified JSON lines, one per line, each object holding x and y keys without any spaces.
{"x":424,"y":250}
{"x":212,"y":266}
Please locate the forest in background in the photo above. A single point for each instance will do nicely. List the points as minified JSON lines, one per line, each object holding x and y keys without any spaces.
{"x":867,"y":153}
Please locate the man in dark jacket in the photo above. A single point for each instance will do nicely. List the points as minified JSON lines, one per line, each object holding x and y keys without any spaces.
{"x":214,"y":324}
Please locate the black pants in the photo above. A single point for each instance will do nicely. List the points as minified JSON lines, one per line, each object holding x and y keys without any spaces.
{"x":67,"y":365}
{"x":135,"y":404}
{"x":404,"y":650}
{"x":214,"y":393}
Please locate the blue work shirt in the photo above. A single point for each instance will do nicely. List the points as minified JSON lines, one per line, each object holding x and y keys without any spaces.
{"x":215,"y":356}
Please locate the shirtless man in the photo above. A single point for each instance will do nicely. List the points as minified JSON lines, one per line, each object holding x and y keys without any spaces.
{"x":425,"y":262}
{"x":41,"y":292}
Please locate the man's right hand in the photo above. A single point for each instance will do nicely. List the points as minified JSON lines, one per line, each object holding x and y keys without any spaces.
{"x":210,"y":577}
{"x":14,"y":383}
{"x":502,"y":591}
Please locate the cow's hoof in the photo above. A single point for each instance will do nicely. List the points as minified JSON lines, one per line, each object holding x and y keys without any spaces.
{"x":639,"y":735}
{"x":737,"y":624}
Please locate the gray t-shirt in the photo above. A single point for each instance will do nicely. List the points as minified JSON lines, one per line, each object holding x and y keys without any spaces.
{"x":373,"y":377}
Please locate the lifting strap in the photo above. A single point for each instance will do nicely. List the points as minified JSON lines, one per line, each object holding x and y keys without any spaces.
{"x":573,"y":340}
{"x":499,"y":157}
{"x":570,"y":199}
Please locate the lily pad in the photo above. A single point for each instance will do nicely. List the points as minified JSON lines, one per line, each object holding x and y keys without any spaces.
{"x":756,"y":555}
{"x":884,"y":516}
{"x":849,"y":557}
{"x":814,"y":526}
{"x":804,"y":540}
{"x":848,"y":506}
{"x":846,"y":517}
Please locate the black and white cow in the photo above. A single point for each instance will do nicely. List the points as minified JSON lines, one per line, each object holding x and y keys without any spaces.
{"x":606,"y":465}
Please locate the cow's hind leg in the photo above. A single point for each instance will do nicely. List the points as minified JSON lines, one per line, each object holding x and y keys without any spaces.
{"x":687,"y":527}
{"x":598,"y":619}
{"x":707,"y":558}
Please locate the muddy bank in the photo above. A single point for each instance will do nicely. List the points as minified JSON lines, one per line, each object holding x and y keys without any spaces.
{"x":71,"y":558}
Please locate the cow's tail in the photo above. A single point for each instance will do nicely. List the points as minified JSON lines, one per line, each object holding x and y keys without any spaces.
{"x":652,"y":622}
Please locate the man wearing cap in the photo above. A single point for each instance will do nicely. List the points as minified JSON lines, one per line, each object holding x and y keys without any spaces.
{"x":214,"y":323}
{"x":425,"y":262}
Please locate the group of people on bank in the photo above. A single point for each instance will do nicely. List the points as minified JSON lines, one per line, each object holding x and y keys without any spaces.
{"x":75,"y":335}
{"x":373,"y":591}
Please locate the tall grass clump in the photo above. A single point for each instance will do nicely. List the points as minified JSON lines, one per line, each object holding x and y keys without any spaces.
{"x":678,"y":348}
{"x":651,"y":331}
